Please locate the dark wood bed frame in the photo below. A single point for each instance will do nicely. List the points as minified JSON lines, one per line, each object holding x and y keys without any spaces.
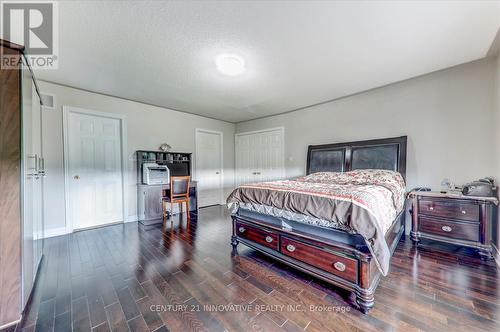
{"x":343,"y":263}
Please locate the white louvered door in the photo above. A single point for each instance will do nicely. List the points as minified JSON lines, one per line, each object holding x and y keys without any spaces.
{"x":260,"y":156}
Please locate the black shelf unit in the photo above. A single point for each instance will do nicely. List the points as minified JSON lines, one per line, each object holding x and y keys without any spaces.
{"x":179,"y":163}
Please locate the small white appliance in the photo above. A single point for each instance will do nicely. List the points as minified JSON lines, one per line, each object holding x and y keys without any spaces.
{"x":152,"y":173}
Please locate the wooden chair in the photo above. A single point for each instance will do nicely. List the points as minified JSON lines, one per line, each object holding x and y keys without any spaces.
{"x":179,"y":193}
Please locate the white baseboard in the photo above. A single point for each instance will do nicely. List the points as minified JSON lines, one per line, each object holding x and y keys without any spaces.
{"x":132,"y":218}
{"x":52,"y":232}
{"x":62,"y":230}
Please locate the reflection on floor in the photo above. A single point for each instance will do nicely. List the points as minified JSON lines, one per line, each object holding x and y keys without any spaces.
{"x":132,"y":277}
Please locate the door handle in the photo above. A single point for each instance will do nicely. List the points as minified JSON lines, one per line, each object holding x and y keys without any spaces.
{"x":76,"y":177}
{"x":34,"y":172}
{"x":35,"y":156}
{"x":42,"y":167}
{"x":216,"y":172}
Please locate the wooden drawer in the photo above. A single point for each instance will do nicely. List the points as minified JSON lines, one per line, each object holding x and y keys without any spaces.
{"x":449,"y":209}
{"x":258,"y":235}
{"x":346,"y":268}
{"x":452,"y":229}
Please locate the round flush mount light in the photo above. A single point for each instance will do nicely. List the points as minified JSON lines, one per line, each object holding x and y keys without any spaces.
{"x":230,"y":64}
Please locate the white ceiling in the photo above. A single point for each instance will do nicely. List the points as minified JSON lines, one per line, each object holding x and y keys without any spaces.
{"x":296,"y":53}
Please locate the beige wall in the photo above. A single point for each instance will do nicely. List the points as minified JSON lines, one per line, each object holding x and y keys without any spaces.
{"x":148,"y":127}
{"x":450,"y":118}
{"x":447,"y":115}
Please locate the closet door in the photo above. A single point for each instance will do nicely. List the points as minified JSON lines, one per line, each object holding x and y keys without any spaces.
{"x":209,"y":167}
{"x":32,"y":229}
{"x":271,"y":156}
{"x":242,"y":156}
{"x":248,"y":158}
{"x":260,"y":156}
{"x":38,"y":222}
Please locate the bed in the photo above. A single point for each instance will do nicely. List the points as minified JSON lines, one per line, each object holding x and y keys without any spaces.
{"x":310,"y":224}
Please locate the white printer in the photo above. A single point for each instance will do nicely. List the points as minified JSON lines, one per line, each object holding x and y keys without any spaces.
{"x":152,"y":173}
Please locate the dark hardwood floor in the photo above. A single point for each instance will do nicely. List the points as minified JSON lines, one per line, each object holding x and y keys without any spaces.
{"x":131,"y":277}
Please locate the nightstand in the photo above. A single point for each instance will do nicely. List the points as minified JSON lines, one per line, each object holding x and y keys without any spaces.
{"x":454,"y":218}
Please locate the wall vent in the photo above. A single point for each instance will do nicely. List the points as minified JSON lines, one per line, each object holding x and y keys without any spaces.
{"x":48,"y":102}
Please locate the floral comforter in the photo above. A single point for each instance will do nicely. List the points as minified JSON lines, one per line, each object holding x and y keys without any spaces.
{"x":362,"y":201}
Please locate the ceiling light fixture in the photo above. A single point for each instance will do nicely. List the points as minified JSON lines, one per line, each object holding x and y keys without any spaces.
{"x":230,"y":64}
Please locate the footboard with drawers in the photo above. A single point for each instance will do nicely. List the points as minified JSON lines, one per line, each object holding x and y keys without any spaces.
{"x":343,"y":265}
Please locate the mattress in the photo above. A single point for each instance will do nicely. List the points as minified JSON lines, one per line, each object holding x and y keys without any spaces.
{"x":321,"y":232}
{"x":298,"y":217}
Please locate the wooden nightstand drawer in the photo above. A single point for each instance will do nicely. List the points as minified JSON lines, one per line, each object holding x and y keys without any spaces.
{"x":449,"y":209}
{"x":451,"y":229}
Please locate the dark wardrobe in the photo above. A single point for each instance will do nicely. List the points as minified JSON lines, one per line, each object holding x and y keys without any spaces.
{"x":21,"y":183}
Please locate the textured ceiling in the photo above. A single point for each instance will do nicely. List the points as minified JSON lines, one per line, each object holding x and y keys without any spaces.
{"x":297,"y":53}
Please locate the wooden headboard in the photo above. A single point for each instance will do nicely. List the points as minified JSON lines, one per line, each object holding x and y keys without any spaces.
{"x":386,"y":153}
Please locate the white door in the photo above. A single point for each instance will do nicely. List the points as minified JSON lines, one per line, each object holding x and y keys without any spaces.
{"x":259,"y":156}
{"x":209,"y":167}
{"x":94,"y":170}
